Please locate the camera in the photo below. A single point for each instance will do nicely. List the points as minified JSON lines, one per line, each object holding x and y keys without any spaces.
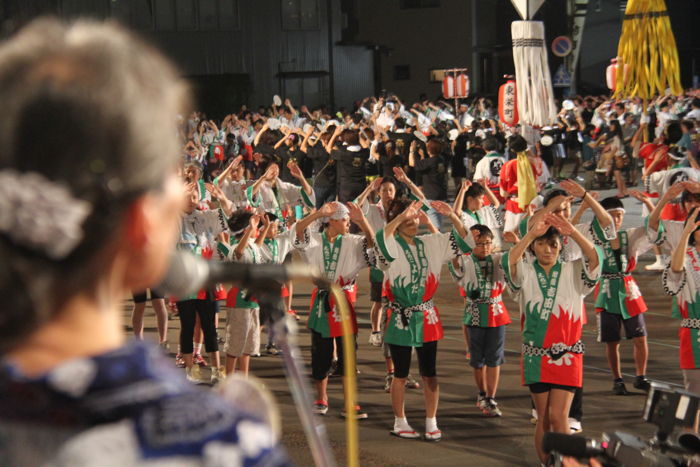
{"x":667,"y":408}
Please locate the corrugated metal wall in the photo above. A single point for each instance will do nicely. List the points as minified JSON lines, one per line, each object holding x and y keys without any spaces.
{"x":215,"y":37}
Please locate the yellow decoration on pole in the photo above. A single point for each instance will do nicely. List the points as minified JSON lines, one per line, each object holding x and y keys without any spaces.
{"x":647,"y":45}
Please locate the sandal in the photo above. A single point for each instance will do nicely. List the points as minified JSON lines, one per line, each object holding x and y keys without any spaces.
{"x":405,"y":434}
{"x":433,"y":435}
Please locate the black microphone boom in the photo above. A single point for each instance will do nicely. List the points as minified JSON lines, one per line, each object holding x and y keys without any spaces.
{"x":189,"y":273}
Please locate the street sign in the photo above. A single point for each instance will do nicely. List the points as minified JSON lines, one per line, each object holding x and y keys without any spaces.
{"x":562,"y":77}
{"x":562,"y":46}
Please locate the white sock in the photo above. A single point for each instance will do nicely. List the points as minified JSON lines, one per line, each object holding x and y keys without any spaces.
{"x":659,"y":259}
{"x":430,"y":424}
{"x":401,"y":424}
{"x":197,"y":348}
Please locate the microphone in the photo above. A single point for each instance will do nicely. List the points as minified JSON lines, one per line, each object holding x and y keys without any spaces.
{"x":570,"y":445}
{"x":189,"y":273}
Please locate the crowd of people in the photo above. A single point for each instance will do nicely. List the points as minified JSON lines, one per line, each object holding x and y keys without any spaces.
{"x":369,"y":187}
{"x":92,"y":204}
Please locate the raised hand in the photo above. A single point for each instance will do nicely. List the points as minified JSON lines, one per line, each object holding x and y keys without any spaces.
{"x":638,"y":195}
{"x":355,"y":212}
{"x":214,"y":190}
{"x":254,"y":221}
{"x":327,"y":209}
{"x":412,"y":210}
{"x":483,"y":182}
{"x":294,"y":169}
{"x":423,"y":218}
{"x":539,"y":227}
{"x":573,"y":188}
{"x":692,"y":186}
{"x":442,"y":207}
{"x":562,"y":225}
{"x":376,"y":183}
{"x":692,"y":223}
{"x":465,"y":185}
{"x":400,"y":175}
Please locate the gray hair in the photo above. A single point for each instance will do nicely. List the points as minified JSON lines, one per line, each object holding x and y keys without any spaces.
{"x":88,"y":106}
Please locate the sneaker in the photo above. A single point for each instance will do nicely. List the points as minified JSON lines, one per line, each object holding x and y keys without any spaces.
{"x":491,"y":408}
{"x":320,"y":407}
{"x":575,"y":425}
{"x":294,"y":314}
{"x":533,"y":417}
{"x":359,"y":413}
{"x":272,"y":350}
{"x":619,"y":388}
{"x":641,"y":382}
{"x":179,"y":361}
{"x":655,"y":266}
{"x":387,"y":382}
{"x":375,"y":339}
{"x":218,"y":375}
{"x":480,"y":402}
{"x":192,"y":374}
{"x":411,"y":382}
{"x":199,"y":360}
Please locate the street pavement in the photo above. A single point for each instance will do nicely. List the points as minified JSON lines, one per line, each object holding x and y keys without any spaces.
{"x":469,"y":437}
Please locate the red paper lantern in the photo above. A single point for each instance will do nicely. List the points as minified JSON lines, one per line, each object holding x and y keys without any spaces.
{"x":462,"y":85}
{"x":611,"y":74}
{"x":508,"y":103}
{"x":448,"y":87}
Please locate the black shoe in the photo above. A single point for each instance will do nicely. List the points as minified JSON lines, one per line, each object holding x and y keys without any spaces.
{"x":642,"y":383}
{"x":619,"y":388}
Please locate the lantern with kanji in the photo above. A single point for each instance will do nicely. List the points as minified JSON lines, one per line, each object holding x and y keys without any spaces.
{"x":462,"y":85}
{"x":508,"y":103}
{"x":448,"y":87}
{"x":613,"y":71}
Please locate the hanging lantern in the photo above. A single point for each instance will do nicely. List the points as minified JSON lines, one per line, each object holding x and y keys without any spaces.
{"x":613,"y":71}
{"x":448,"y":87}
{"x":462,"y":85}
{"x":508,"y":103}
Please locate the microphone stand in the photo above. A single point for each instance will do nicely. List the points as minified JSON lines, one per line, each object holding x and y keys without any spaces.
{"x":285,"y":331}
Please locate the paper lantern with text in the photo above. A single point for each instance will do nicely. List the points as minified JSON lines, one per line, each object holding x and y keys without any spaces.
{"x":448,"y":87}
{"x":508,"y":103}
{"x":462,"y":85}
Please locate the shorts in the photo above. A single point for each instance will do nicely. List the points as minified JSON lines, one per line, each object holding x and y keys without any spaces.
{"x":375,"y":291}
{"x":322,"y":355}
{"x":427,"y":356}
{"x":242,"y":331}
{"x":609,"y":325}
{"x":142,"y":297}
{"x":486,"y":346}
{"x":539,"y":388}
